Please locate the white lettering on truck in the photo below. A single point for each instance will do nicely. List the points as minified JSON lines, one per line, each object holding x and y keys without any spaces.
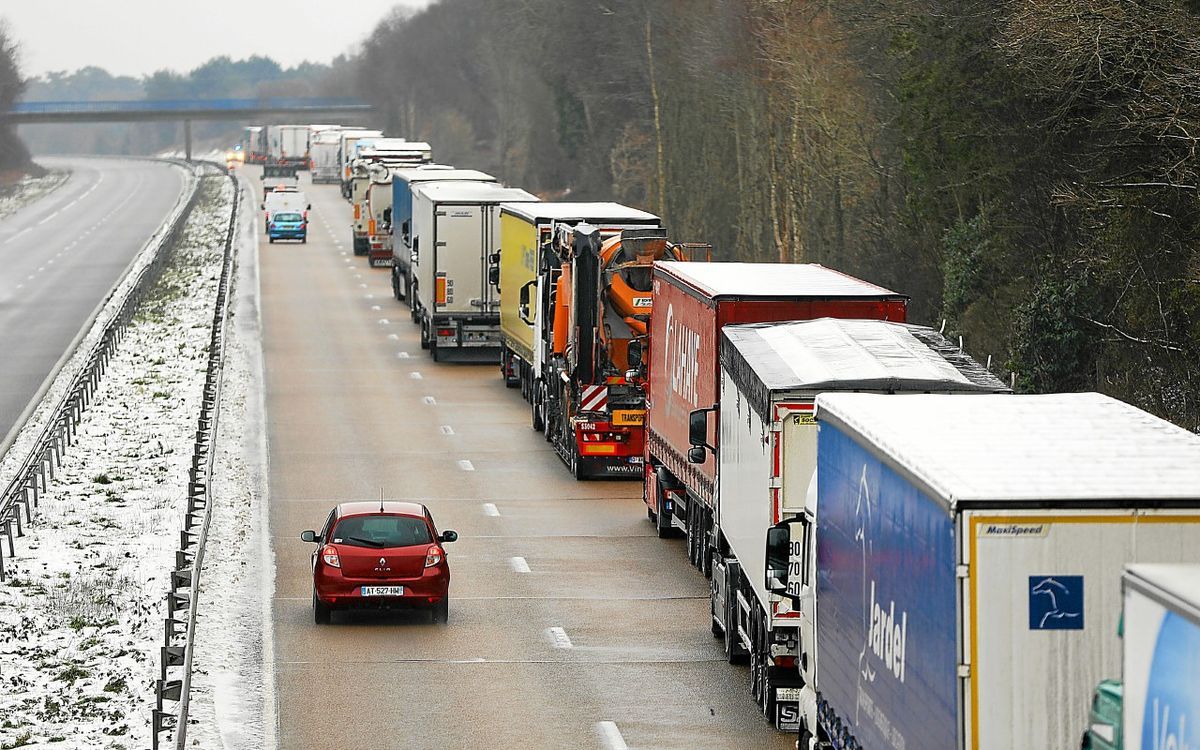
{"x":683,"y":353}
{"x":888,"y":636}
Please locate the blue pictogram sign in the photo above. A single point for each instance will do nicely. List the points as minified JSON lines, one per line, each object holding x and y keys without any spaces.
{"x":1056,"y":602}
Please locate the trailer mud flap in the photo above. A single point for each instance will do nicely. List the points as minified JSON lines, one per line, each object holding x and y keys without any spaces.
{"x":787,"y":709}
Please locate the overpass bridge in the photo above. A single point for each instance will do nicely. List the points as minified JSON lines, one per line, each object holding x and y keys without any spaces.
{"x":302,"y":109}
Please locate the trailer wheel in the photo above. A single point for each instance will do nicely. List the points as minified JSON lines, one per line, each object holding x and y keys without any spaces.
{"x":538,"y":408}
{"x":424,"y":335}
{"x":662,"y":524}
{"x":396,"y":286}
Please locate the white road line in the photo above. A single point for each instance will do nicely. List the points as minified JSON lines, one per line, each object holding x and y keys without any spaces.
{"x":394,"y":337}
{"x":384,"y":322}
{"x":519,"y":565}
{"x":362,"y":286}
{"x":447,"y":429}
{"x":465,"y":465}
{"x":376,"y":308}
{"x":610,"y":735}
{"x":430,"y":401}
{"x":415,"y":375}
{"x":559,"y":637}
{"x":490,"y":509}
{"x":399,"y":355}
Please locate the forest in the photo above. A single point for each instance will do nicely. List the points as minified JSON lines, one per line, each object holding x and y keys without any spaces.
{"x":14,"y":157}
{"x":1026,"y":170}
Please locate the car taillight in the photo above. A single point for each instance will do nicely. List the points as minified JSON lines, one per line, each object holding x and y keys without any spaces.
{"x":433,"y":556}
{"x":330,"y":555}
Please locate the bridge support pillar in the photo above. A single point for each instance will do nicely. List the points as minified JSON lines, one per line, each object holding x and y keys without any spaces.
{"x":187,"y":139}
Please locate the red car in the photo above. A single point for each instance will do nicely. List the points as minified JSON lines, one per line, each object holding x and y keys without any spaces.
{"x":380,"y":555}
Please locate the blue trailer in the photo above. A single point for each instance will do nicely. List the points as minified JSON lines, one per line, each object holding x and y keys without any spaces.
{"x":969,"y":559}
{"x":402,"y":216}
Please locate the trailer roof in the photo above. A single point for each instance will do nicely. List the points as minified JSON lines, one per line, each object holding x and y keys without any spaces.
{"x":847,"y":355}
{"x":440,"y":174}
{"x":1175,"y":586}
{"x":470,"y":192}
{"x":592,"y":212}
{"x":716,"y":280}
{"x":1024,"y":451}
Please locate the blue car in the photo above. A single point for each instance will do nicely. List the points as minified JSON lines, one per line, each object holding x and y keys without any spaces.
{"x":287,"y":225}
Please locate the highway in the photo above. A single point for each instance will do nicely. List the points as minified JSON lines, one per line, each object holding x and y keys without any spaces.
{"x":59,"y":257}
{"x":571,"y":623}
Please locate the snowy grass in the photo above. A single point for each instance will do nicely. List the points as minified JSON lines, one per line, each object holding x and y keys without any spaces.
{"x":81,"y":618}
{"x":28,"y":189}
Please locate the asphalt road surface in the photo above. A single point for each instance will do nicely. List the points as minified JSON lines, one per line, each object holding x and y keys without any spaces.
{"x":571,"y":624}
{"x":60,"y":256}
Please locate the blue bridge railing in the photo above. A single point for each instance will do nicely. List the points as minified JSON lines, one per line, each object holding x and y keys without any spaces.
{"x":182,"y":106}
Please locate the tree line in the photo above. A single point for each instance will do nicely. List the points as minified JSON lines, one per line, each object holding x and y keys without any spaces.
{"x":1025,"y":169}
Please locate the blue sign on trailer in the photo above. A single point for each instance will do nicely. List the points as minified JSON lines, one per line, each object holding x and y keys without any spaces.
{"x":887,"y":617}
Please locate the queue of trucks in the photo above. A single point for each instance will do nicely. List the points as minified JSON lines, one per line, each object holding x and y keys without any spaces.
{"x":905,"y":553}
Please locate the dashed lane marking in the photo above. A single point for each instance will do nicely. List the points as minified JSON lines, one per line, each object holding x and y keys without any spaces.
{"x":465,"y":465}
{"x":490,"y":509}
{"x":447,"y":429}
{"x":399,"y":355}
{"x":415,"y":375}
{"x":559,"y":638}
{"x":519,"y":565}
{"x":384,"y":322}
{"x":430,"y":401}
{"x":610,"y":735}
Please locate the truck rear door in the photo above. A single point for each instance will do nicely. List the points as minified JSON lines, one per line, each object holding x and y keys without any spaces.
{"x":459,"y":235}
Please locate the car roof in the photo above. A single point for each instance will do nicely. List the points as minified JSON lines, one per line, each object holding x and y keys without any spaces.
{"x":369,"y":507}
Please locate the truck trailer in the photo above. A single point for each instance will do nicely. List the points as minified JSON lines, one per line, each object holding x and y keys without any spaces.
{"x":573,"y":316}
{"x":378,"y":205}
{"x":288,"y":144}
{"x":454,"y":299}
{"x":771,"y":374}
{"x":323,"y":154}
{"x":692,"y":303}
{"x":1156,"y":705}
{"x":374,"y":162}
{"x":968,"y":563}
{"x":348,"y":143}
{"x":253,"y":144}
{"x":402,"y":203}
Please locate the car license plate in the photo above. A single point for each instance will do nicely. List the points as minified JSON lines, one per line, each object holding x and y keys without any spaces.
{"x":790,"y":695}
{"x":383,"y":591}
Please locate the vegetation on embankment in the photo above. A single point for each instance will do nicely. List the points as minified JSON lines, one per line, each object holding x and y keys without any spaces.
{"x":1025,"y":169}
{"x":14,"y":157}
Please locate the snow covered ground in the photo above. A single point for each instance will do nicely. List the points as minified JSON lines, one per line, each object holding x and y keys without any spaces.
{"x":232,"y":687}
{"x":81,"y":616}
{"x":27,"y":190}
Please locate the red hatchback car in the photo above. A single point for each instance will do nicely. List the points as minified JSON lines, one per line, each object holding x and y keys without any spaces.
{"x":380,"y":555}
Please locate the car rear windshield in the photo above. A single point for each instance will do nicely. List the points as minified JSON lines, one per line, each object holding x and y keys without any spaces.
{"x":287,"y":217}
{"x":382,"y":531}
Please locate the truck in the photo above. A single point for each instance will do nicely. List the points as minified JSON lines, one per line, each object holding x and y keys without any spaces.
{"x":454,"y":299}
{"x":253,"y":144}
{"x":348,"y":150}
{"x":323,"y":154}
{"x":378,"y":207}
{"x":402,"y":203}
{"x":374,"y":162}
{"x":968,"y":555}
{"x":1157,"y":703}
{"x":288,"y":144}
{"x":595,"y":425}
{"x":692,"y":303}
{"x":771,"y":374}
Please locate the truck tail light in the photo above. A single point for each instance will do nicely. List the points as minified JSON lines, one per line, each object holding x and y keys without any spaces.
{"x":439,"y":289}
{"x":329,"y":554}
{"x":433,"y":556}
{"x":357,"y":212}
{"x":785,"y":662}
{"x":371,"y":227}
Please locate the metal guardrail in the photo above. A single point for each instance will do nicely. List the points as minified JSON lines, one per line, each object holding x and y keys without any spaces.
{"x":179,"y":630}
{"x":182,"y":106}
{"x":45,"y":454}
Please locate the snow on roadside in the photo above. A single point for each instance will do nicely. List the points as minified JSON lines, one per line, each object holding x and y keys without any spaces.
{"x":28,"y":189}
{"x":232,"y":695}
{"x":81,"y":615}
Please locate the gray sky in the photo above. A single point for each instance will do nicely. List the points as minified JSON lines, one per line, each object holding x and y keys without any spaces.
{"x":137,"y":37}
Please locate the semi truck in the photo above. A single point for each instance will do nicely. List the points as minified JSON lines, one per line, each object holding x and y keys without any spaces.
{"x":693,"y":302}
{"x":573,"y":310}
{"x":968,"y":562}
{"x":253,"y":143}
{"x":348,"y":143}
{"x":771,"y":374}
{"x":288,"y":144}
{"x":454,"y":299}
{"x":323,"y":154}
{"x":374,"y":162}
{"x":378,"y":206}
{"x":402,"y":206}
{"x":1157,"y":703}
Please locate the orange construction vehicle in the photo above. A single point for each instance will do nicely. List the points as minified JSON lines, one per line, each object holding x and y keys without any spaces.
{"x":597,"y":293}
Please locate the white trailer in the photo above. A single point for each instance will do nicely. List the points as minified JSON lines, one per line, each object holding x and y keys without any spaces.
{"x":288,"y":144}
{"x":967,"y":580}
{"x":323,"y":153}
{"x":373,"y":162}
{"x":1161,"y":666}
{"x":348,"y":151}
{"x":456,"y":226}
{"x":771,"y":374}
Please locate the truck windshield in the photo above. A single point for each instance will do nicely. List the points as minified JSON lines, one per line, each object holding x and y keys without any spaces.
{"x":382,"y":531}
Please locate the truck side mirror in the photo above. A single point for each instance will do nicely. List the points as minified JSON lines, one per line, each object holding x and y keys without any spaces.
{"x":634,"y":354}
{"x":523,"y":298}
{"x":779,"y":544}
{"x":697,"y":454}
{"x":698,"y":429}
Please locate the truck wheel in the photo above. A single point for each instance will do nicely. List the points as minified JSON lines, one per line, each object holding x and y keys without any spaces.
{"x":433,"y":352}
{"x":662,"y":524}
{"x":424,"y":335}
{"x":407,"y":289}
{"x":396,"y":286}
{"x":538,"y":410}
